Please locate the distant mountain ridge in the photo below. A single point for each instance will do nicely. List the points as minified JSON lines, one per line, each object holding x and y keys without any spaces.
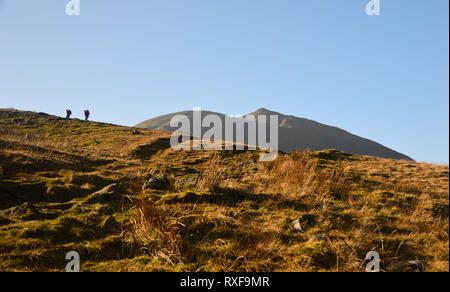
{"x":299,"y":134}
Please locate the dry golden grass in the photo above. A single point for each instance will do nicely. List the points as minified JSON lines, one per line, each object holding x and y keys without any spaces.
{"x":225,"y":211}
{"x":299,"y":175}
{"x":156,"y":229}
{"x":211,"y":173}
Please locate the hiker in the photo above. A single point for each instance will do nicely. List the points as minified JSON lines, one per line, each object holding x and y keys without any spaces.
{"x":86,"y":115}
{"x":68,"y":113}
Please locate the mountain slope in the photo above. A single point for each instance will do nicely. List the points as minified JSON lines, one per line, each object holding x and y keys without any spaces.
{"x":299,"y":134}
{"x":90,"y":187}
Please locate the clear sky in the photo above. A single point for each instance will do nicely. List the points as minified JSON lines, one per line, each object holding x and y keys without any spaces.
{"x":381,"y":77}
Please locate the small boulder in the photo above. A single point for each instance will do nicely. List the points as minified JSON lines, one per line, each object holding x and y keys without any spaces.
{"x":17,"y":211}
{"x":304,"y":222}
{"x":158,"y":182}
{"x":108,"y":189}
{"x":108,"y":194}
{"x":297,"y":225}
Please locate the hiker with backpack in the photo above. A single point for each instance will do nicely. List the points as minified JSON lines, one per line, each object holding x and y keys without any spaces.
{"x":86,"y":115}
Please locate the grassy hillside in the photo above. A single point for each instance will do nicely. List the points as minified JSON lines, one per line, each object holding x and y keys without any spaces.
{"x":73,"y":185}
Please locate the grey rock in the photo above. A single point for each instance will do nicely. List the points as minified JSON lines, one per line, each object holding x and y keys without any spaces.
{"x":17,"y":211}
{"x":304,"y":222}
{"x":297,"y":225}
{"x":107,"y":194}
{"x":108,"y":189}
{"x":158,"y":182}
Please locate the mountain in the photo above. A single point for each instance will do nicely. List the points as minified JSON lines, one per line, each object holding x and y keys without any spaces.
{"x":299,"y":134}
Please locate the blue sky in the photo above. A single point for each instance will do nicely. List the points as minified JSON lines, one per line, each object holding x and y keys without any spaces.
{"x":381,"y":77}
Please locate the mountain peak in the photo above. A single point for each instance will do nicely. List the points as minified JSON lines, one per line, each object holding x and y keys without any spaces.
{"x":264,"y":111}
{"x":300,"y":133}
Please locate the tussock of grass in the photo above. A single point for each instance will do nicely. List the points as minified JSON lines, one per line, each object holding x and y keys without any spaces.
{"x":299,"y":174}
{"x":211,"y":174}
{"x":156,"y":229}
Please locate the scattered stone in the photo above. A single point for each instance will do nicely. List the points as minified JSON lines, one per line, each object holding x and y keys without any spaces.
{"x":111,"y":225}
{"x":17,"y":211}
{"x":135,"y":132}
{"x":108,"y":189}
{"x":106,"y":195}
{"x":304,"y":223}
{"x":298,"y":226}
{"x":158,"y":182}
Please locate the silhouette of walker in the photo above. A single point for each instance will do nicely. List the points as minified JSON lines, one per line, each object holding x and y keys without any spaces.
{"x":68,"y":113}
{"x":86,"y":115}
